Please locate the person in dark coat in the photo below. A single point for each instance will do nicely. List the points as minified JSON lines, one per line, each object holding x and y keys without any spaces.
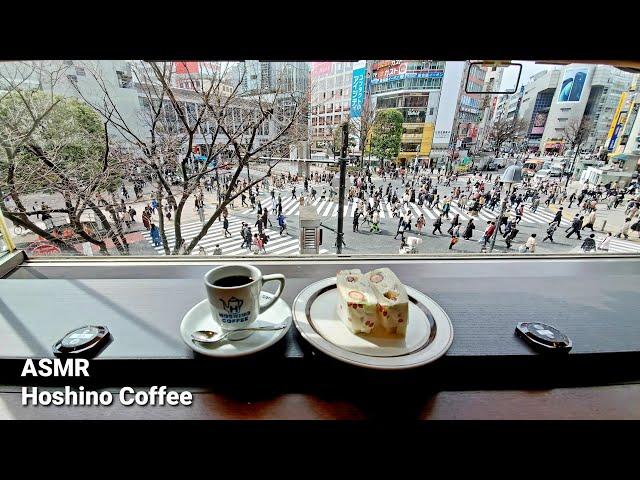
{"x":468,"y":231}
{"x":454,"y":222}
{"x":437,"y":224}
{"x":575,"y":227}
{"x":259,"y":224}
{"x":225,"y":227}
{"x":558,"y":218}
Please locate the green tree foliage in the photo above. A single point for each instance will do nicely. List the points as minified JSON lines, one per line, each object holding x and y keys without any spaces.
{"x":387,"y":134}
{"x":67,"y":143}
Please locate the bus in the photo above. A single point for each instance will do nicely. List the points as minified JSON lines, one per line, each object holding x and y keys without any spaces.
{"x":531,"y":167}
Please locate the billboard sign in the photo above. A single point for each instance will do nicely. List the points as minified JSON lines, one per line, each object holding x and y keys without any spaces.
{"x":187,"y":67}
{"x":446,"y":113}
{"x":539,"y":122}
{"x":320,"y":69}
{"x":357,"y":89}
{"x":572,"y":85}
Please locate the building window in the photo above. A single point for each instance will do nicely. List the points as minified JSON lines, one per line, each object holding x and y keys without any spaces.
{"x":124,"y":80}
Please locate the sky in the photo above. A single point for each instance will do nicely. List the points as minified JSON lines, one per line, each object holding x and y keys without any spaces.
{"x":528,"y":69}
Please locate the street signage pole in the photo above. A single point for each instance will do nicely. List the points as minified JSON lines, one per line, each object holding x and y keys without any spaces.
{"x":343,"y":174}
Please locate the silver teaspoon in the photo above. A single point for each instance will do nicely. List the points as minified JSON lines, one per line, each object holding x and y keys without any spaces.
{"x":209,"y":336}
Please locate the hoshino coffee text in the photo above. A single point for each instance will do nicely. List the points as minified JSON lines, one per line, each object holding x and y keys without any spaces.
{"x":79,"y":367}
{"x":155,"y":396}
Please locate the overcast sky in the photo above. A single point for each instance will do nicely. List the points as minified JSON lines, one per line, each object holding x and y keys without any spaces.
{"x":528,"y":69}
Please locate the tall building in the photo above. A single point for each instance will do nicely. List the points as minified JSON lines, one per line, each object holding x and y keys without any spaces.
{"x":535,"y":105}
{"x":492,"y":83}
{"x":412,"y":87}
{"x":330,"y":100}
{"x":585,"y":93}
{"x":269,"y":77}
{"x":607,"y":87}
{"x":470,"y":106}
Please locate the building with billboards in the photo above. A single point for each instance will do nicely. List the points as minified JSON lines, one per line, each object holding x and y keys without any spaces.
{"x":330,"y":101}
{"x":567,"y":106}
{"x":413,"y":88}
{"x":535,"y":105}
{"x":608,"y":87}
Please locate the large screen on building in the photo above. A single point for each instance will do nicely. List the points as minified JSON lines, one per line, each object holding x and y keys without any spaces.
{"x":538,"y":123}
{"x":572,"y":84}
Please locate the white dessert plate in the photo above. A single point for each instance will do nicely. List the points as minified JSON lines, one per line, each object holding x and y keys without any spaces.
{"x":429,"y":331}
{"x":200,"y":318}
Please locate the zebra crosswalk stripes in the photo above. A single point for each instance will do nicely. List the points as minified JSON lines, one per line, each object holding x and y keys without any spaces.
{"x":277,"y":245}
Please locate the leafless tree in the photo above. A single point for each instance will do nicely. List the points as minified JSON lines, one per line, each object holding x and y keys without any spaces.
{"x":576,"y":132}
{"x":363,"y":126}
{"x":45,"y":149}
{"x":504,"y":130}
{"x":204,"y":109}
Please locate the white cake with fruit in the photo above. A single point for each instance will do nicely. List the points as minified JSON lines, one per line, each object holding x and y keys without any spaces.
{"x":392,"y":299}
{"x":373,"y":303}
{"x":357,"y":305}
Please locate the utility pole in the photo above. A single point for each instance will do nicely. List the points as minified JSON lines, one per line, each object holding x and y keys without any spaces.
{"x":343,"y":174}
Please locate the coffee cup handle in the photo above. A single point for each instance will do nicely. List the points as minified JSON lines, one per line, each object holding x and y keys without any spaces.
{"x":267,"y":278}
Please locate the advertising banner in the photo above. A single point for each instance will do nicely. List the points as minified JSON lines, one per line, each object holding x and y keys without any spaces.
{"x":320,"y":69}
{"x":187,"y":67}
{"x":572,"y":85}
{"x":357,"y":90}
{"x":539,"y":122}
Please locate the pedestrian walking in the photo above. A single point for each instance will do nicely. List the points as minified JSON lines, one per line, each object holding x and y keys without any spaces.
{"x":550,"y":231}
{"x":225,"y":227}
{"x":453,"y":241}
{"x":624,"y":229}
{"x":420,"y":223}
{"x":531,"y":244}
{"x":155,"y":235}
{"x":589,"y":244}
{"x":468,"y":231}
{"x":575,"y":227}
{"x":437,"y":224}
{"x":605,"y":242}
{"x":375,"y":222}
{"x":589,"y":220}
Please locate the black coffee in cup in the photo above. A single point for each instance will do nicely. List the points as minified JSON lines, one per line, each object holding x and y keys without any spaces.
{"x":233,"y":281}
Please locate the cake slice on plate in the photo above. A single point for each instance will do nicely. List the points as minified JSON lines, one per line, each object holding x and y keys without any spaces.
{"x":392,"y":300}
{"x":357,"y":305}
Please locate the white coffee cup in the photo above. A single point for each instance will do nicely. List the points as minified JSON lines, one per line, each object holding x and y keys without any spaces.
{"x":236,"y":304}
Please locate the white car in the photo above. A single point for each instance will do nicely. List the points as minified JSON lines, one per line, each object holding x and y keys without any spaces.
{"x":542,"y":174}
{"x":556,"y":171}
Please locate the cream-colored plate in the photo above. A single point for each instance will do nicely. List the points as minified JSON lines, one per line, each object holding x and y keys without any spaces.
{"x":429,"y":331}
{"x":200,"y":318}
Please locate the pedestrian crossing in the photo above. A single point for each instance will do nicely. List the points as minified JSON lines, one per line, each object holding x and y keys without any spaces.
{"x":329,"y":208}
{"x":277,"y":245}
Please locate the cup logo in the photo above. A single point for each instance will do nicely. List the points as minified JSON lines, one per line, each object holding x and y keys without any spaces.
{"x":233,"y":305}
{"x":233,"y":315}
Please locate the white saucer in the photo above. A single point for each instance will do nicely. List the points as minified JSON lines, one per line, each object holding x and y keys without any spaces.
{"x":200,"y":318}
{"x":429,"y":331}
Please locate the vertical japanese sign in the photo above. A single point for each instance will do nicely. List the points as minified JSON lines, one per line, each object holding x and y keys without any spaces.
{"x":357,"y":89}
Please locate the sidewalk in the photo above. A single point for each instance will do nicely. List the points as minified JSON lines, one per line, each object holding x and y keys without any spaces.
{"x":614,"y":218}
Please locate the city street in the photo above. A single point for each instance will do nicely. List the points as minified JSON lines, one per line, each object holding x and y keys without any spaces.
{"x":366,"y":242}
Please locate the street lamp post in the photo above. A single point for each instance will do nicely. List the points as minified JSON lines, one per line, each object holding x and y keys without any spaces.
{"x":511,"y":176}
{"x":343,"y":174}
